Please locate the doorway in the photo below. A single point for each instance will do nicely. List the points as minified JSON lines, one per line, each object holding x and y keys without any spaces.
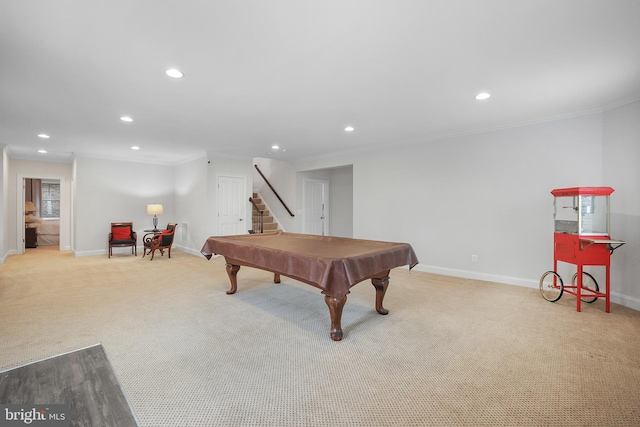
{"x":316,"y":206}
{"x":231,"y":205}
{"x":50,"y":218}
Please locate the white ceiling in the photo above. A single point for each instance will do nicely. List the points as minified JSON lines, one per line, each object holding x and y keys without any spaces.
{"x":296,"y":72}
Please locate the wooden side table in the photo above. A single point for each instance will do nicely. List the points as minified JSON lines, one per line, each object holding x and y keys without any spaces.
{"x":30,"y":238}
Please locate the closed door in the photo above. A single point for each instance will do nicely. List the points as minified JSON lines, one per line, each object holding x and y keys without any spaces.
{"x":316,"y":207}
{"x":231,"y":205}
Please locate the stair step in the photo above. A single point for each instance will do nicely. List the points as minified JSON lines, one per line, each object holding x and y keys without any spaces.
{"x":266,"y":218}
{"x":268,"y":223}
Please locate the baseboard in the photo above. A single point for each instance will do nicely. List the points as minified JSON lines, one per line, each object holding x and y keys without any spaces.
{"x":627,"y":301}
{"x":188,"y":250}
{"x":7,"y":255}
{"x":624,"y":300}
{"x":90,"y":253}
{"x":140,"y":249}
{"x":105,"y":252}
{"x":477,"y":276}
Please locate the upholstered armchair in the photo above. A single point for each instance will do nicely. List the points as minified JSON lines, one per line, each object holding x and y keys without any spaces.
{"x":159,"y":241}
{"x":122,"y":235}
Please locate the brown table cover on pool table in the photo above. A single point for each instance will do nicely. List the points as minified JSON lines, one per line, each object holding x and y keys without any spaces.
{"x":333,"y":264}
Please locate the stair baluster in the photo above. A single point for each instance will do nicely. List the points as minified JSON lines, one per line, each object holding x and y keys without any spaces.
{"x":262,"y":221}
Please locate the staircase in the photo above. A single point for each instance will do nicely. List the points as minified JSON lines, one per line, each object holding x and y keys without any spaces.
{"x":268,"y":224}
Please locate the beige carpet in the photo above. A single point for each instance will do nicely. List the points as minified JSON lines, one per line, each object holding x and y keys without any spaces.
{"x":452,"y":352}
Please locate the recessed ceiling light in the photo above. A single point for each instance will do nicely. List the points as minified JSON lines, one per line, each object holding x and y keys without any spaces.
{"x":135,"y":147}
{"x":275,"y":147}
{"x":483,"y":95}
{"x":44,"y":136}
{"x":172,"y":72}
{"x":349,"y":129}
{"x":126,"y":119}
{"x":42,"y":151}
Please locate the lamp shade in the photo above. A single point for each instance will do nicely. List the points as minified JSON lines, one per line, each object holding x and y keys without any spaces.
{"x":29,"y":207}
{"x":154,"y":209}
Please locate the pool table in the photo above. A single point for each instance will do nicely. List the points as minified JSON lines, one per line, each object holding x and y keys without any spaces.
{"x":333,"y":264}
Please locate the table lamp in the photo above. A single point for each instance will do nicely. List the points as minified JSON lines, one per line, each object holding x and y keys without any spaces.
{"x":155,"y":209}
{"x":29,"y":207}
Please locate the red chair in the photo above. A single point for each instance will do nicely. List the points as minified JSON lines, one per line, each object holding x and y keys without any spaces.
{"x":159,"y":241}
{"x":122,"y":235}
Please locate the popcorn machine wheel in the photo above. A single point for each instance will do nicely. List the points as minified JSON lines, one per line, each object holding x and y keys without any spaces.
{"x":581,"y":237}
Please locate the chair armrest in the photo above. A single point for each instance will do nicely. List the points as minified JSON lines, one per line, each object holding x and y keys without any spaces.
{"x":152,"y":239}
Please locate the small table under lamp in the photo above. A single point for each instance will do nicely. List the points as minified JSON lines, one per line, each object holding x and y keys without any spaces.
{"x":155,"y":209}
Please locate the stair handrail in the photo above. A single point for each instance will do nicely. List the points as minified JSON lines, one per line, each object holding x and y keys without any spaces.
{"x":273,"y":189}
{"x":260,"y":215}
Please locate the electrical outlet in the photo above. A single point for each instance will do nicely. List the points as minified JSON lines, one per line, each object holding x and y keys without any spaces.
{"x":474,"y":258}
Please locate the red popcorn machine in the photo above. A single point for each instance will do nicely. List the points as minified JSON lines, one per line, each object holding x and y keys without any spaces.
{"x":581,"y":237}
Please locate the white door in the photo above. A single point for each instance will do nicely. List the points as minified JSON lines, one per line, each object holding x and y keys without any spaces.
{"x":316,"y":208}
{"x":231,"y":205}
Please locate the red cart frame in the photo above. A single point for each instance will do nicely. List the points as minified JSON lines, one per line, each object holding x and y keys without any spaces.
{"x":582,"y":250}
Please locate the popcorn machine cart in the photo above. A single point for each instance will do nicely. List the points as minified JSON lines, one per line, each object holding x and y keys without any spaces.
{"x":581,"y":237}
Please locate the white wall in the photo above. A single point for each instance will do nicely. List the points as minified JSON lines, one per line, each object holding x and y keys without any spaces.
{"x":191,"y":204}
{"x":621,"y":171}
{"x":282,"y":177}
{"x":109,"y":191}
{"x":486,"y":194}
{"x":341,"y":204}
{"x":4,"y":204}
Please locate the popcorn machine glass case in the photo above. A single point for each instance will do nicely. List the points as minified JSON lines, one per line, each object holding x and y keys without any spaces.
{"x":581,"y":237}
{"x":582,"y":214}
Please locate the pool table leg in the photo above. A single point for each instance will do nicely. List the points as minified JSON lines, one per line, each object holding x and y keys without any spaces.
{"x":232,"y":271}
{"x":335,"y":311}
{"x":381,"y":284}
